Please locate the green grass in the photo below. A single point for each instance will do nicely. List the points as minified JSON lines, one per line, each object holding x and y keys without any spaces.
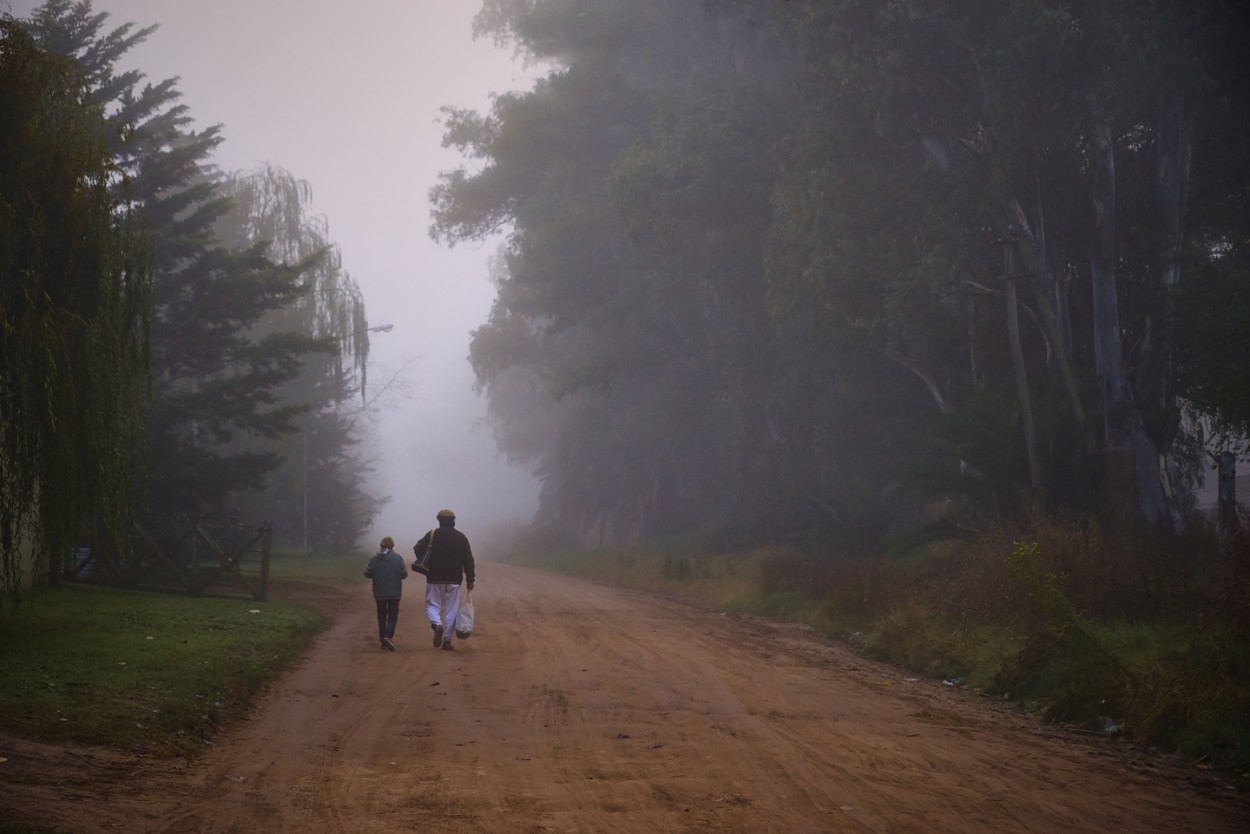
{"x":141,"y":671}
{"x":725,"y":581}
{"x":1185,"y":687}
{"x":289,"y":565}
{"x":915,"y":636}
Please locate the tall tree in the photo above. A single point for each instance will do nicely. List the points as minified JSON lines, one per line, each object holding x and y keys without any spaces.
{"x":1051,"y":112}
{"x":751,"y":270}
{"x":215,"y":378}
{"x":74,"y":312}
{"x":317,"y":498}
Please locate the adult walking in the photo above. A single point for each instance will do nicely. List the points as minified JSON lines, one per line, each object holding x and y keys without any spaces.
{"x":450,"y":563}
{"x":386,"y":569}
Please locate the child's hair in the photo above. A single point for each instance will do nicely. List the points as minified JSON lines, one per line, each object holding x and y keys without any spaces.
{"x":388,"y":543}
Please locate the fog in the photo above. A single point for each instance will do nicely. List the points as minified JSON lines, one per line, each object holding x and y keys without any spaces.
{"x":347,"y":98}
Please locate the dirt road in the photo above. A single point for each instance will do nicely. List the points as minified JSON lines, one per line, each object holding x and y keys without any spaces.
{"x":577,"y":708}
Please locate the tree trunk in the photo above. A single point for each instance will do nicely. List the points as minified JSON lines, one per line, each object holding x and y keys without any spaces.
{"x":923,"y":374}
{"x":1030,"y":245}
{"x":1173,"y":176}
{"x":1108,"y":360}
{"x":1226,"y":498}
{"x":1125,"y":428}
{"x":1021,"y":374}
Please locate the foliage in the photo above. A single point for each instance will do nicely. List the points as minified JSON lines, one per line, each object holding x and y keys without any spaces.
{"x":1064,"y":660}
{"x":248,"y":294}
{"x":1213,"y":372}
{"x":1190,"y":687}
{"x":921,"y":637}
{"x":744,"y":273}
{"x":1106,"y":629}
{"x":74,"y":312}
{"x":316,"y":496}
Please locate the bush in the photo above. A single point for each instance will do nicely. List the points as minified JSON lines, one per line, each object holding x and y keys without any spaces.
{"x":1191,"y":689}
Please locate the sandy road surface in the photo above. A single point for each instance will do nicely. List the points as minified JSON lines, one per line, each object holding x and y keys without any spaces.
{"x":577,"y":708}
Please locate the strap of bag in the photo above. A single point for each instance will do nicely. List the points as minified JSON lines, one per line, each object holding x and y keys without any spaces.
{"x":423,"y":558}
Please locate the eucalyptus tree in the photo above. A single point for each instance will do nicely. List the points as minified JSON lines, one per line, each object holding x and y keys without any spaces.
{"x":1042,"y":149}
{"x":631,"y":294}
{"x":801,"y":233}
{"x":901,"y":238}
{"x":1214,"y":296}
{"x":74,"y":313}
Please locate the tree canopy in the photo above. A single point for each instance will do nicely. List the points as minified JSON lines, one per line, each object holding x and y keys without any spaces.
{"x":253,"y":322}
{"x":768,"y":261}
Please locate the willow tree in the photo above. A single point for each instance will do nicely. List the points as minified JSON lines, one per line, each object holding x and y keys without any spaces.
{"x":315,"y":496}
{"x":74,"y":313}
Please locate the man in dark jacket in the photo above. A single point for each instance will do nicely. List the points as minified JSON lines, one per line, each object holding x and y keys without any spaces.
{"x":451,"y":562}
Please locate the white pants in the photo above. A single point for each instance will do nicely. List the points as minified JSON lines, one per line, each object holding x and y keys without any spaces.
{"x":442,"y":604}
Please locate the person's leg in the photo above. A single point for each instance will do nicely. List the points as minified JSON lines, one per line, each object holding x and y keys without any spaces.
{"x":381,"y":604}
{"x":392,"y":617}
{"x":451,"y":607}
{"x":434,"y":612}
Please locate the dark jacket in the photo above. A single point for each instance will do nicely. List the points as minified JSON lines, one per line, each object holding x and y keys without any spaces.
{"x":387,"y":571}
{"x":452,"y":560}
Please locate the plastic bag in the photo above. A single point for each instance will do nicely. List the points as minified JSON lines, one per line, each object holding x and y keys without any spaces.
{"x":464,"y":618}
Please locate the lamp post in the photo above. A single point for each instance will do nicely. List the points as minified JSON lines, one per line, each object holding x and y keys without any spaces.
{"x":381,"y":328}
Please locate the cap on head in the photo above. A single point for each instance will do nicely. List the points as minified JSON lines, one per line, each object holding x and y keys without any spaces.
{"x":446,"y":514}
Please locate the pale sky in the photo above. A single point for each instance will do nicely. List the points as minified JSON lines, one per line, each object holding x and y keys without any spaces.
{"x":346,"y":96}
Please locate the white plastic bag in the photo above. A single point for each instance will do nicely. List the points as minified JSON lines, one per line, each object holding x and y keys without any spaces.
{"x":464,"y":618}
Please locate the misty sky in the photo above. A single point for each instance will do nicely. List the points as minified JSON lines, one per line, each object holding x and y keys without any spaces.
{"x":346,"y":96}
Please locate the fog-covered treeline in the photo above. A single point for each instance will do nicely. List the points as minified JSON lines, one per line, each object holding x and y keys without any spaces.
{"x":242,"y":401}
{"x":769,"y":261}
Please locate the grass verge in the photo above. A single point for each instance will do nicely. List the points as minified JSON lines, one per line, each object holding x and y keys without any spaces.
{"x":148,"y":672}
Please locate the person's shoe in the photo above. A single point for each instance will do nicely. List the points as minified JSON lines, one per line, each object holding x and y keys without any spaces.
{"x":382,"y":643}
{"x":388,"y":643}
{"x":447,"y":646}
{"x":438,"y":636}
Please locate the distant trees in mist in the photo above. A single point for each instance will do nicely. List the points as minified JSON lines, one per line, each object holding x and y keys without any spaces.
{"x":771,"y":263}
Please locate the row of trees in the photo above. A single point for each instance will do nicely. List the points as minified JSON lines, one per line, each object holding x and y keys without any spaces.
{"x":178,"y":343}
{"x":769,"y":259}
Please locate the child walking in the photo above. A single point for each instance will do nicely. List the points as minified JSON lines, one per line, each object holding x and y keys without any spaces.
{"x":386,"y":569}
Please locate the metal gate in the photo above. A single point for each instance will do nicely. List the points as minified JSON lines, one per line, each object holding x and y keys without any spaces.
{"x":195,"y":558}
